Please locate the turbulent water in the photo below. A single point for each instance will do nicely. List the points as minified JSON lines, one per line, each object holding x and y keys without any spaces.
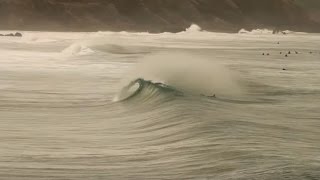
{"x":141,"y":106}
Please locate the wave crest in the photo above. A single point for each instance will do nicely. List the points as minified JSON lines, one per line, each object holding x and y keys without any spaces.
{"x":77,"y":49}
{"x":147,"y":89}
{"x":193,"y":28}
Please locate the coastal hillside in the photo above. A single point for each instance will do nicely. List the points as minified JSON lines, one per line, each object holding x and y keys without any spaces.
{"x":157,"y":15}
{"x":312,"y":7}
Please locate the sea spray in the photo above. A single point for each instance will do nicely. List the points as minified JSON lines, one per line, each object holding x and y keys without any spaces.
{"x":188,"y":73}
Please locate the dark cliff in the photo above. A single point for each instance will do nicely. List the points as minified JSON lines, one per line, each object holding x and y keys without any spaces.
{"x":156,"y":15}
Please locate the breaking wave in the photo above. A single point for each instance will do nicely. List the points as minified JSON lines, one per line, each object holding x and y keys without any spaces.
{"x":194,"y":28}
{"x":147,"y":89}
{"x":264,"y":31}
{"x":179,"y":74}
{"x":77,"y":49}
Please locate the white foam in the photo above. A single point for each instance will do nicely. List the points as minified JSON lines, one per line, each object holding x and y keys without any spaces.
{"x":193,"y":28}
{"x":256,"y":31}
{"x":266,"y":32}
{"x":77,"y":49}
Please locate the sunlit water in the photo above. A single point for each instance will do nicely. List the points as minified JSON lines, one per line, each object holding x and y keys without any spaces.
{"x":68,"y":109}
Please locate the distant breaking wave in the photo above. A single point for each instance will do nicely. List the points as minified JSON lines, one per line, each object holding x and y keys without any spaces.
{"x":194,"y":28}
{"x":263,"y":31}
{"x":77,"y":49}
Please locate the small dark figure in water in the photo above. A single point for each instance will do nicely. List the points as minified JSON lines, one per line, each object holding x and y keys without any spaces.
{"x":286,"y":55}
{"x":263,"y":54}
{"x":289,"y":52}
{"x":213,"y":96}
{"x":297,"y":52}
{"x":268,"y":54}
{"x":284,"y":69}
{"x":280,"y":52}
{"x":278,"y":43}
{"x":310,"y":52}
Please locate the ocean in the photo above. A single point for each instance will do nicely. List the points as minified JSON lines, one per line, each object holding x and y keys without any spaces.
{"x":188,"y":105}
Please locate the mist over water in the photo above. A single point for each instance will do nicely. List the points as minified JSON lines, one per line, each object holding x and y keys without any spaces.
{"x":192,"y":74}
{"x":125,"y":105}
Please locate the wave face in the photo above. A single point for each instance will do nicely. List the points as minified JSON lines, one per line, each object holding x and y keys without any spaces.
{"x":142,"y":106}
{"x":146,"y":89}
{"x":159,"y":15}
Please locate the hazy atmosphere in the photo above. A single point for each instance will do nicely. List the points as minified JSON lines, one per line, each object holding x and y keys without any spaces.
{"x":159,"y":89}
{"x":159,"y":15}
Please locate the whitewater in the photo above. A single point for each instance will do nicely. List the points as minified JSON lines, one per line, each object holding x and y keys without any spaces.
{"x":188,"y":105}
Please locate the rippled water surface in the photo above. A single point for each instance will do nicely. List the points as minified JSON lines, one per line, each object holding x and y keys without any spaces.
{"x":140,"y":106}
